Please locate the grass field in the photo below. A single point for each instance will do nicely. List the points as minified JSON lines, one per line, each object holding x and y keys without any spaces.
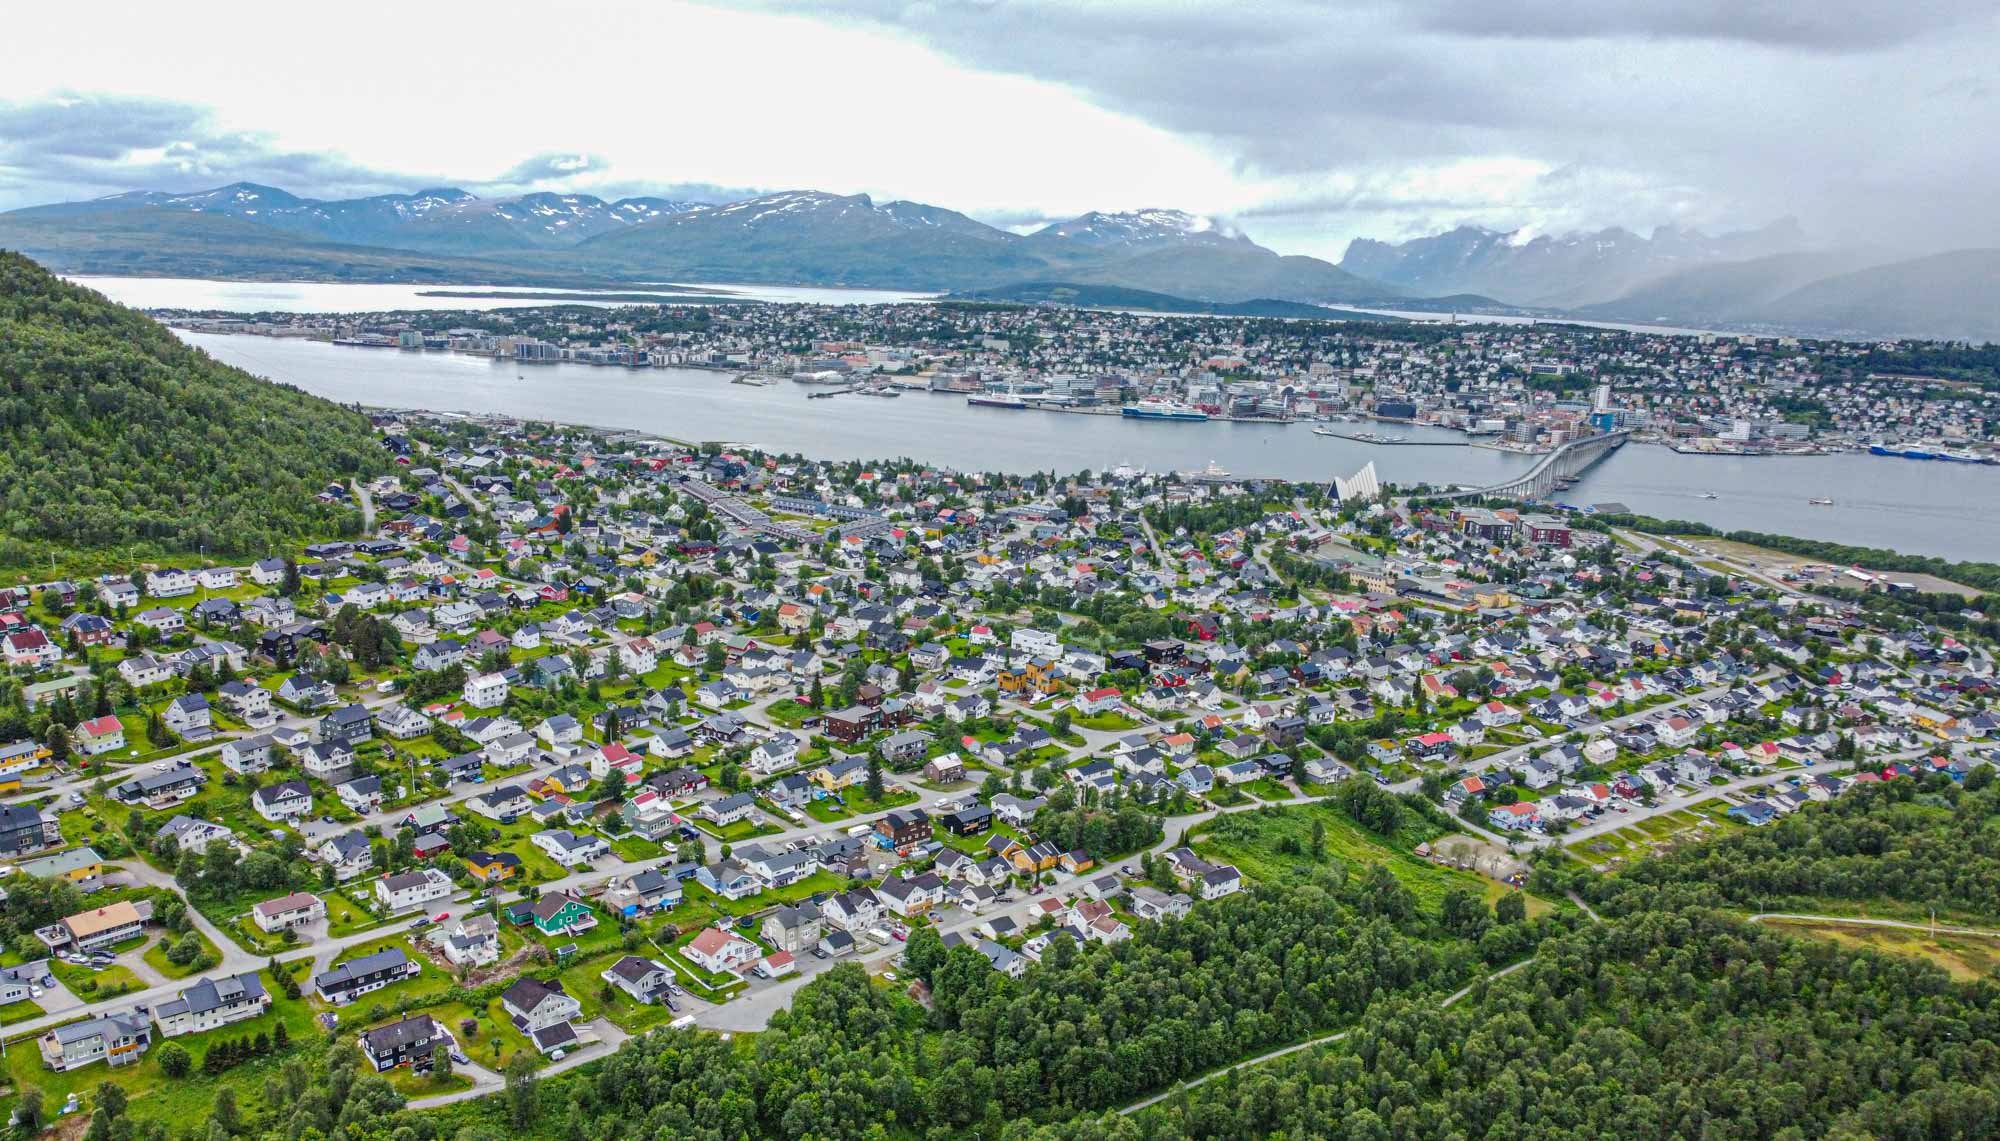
{"x":1274,"y":845}
{"x":1963,"y":957}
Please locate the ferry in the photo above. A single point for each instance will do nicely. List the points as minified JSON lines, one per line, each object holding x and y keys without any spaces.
{"x":996,"y":400}
{"x":1153,"y":408}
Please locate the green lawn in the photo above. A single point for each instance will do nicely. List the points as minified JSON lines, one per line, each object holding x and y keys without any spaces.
{"x":19,"y":1012}
{"x":1260,"y":844}
{"x":156,"y":955}
{"x":1105,"y":722}
{"x":737,"y":832}
{"x":95,"y":986}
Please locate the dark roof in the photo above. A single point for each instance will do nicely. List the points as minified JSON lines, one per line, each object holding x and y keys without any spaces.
{"x":415,"y":1030}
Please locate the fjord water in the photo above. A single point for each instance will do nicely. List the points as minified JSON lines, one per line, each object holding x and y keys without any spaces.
{"x":352,"y":297}
{"x":1952,"y":510}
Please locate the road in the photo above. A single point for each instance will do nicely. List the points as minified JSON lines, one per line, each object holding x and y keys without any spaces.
{"x":367,"y":500}
{"x":1901,"y":925}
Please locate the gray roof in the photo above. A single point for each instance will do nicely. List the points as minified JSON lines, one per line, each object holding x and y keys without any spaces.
{"x":213,"y":994}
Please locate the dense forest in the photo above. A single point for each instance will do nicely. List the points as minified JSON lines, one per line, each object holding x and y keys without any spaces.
{"x":1671,"y":1024}
{"x":114,"y":434}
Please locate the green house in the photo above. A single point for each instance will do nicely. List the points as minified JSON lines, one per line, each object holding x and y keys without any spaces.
{"x":562,"y":913}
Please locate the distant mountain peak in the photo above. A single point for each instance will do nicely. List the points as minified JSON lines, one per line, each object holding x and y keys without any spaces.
{"x":1100,"y":229}
{"x":1525,"y":266}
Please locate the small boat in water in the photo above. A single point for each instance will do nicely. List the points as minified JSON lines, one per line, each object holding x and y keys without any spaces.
{"x":1820,"y":502}
{"x":1708,"y":495}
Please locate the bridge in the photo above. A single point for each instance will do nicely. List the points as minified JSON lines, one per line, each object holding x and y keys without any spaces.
{"x":1541,"y":481}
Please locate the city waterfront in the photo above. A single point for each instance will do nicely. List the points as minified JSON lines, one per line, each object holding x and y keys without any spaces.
{"x":1950,"y":510}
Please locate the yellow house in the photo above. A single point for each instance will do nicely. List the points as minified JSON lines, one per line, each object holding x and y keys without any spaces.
{"x":23,"y":756}
{"x":493,"y":867}
{"x":1935,"y":720}
{"x":1492,"y":598}
{"x":1028,"y":861}
{"x":844,"y":773}
{"x":1037,"y":675}
{"x":74,"y":865}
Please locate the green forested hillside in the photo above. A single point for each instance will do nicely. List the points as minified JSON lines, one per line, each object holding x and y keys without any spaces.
{"x":115,"y":435}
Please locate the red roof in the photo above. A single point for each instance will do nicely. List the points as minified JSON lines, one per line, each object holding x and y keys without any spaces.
{"x":713,"y":939}
{"x":101,"y":726}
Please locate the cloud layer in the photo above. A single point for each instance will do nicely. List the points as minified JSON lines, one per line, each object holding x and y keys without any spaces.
{"x":1311,"y":123}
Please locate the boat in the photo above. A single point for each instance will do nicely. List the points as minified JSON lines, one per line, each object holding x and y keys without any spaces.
{"x":1153,"y":408}
{"x":996,"y":400}
{"x":1213,"y":471}
{"x":1321,"y":430}
{"x":1708,"y":495}
{"x":753,"y":379}
{"x":1820,"y":502}
{"x":1919,"y":454}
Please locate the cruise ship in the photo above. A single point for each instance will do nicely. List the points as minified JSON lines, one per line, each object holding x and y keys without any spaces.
{"x":1153,"y":408}
{"x":996,"y":400}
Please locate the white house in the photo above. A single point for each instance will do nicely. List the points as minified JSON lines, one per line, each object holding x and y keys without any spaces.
{"x":486,"y":691}
{"x":283,"y":802}
{"x":288,"y":911}
{"x":412,"y":890}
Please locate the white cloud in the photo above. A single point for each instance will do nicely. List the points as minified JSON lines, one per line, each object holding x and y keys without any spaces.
{"x":1312,"y":123}
{"x":664,"y":93}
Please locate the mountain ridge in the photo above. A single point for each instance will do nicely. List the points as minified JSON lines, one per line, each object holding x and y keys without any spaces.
{"x":1555,"y":270}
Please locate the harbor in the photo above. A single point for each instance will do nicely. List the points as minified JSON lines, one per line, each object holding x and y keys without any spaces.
{"x":1898,"y":504}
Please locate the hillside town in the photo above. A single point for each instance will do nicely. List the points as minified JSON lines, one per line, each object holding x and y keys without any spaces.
{"x":1519,"y":386}
{"x":584,"y":735}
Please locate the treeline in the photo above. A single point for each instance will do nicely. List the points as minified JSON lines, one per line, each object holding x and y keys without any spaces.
{"x":1673,"y":1024}
{"x":115,"y":434}
{"x":1910,"y":843}
{"x":1984,"y":576}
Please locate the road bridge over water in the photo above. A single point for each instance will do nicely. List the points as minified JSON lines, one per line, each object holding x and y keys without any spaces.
{"x":1545,"y":478}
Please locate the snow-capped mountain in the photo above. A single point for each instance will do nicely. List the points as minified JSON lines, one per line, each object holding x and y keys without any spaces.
{"x":442,"y":219}
{"x":1525,"y":268}
{"x":794,"y":237}
{"x":1136,"y":228}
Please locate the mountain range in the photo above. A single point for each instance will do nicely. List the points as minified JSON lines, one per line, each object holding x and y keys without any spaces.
{"x":1555,"y":271}
{"x":1766,"y":278}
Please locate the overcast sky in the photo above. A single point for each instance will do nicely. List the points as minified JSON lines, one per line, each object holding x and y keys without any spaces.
{"x":1306,"y":123}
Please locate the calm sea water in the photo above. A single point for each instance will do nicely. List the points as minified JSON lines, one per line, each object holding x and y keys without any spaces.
{"x":342,"y":297}
{"x":1951,"y":510}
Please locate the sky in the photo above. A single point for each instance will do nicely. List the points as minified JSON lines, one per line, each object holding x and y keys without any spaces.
{"x":1306,"y":124}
